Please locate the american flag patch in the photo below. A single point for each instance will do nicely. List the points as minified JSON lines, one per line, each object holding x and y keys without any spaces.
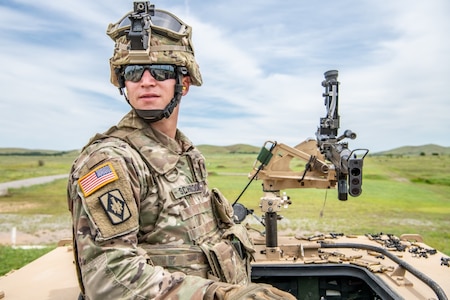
{"x":95,"y":179}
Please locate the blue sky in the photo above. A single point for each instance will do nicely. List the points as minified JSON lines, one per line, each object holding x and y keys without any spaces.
{"x":262,"y":64}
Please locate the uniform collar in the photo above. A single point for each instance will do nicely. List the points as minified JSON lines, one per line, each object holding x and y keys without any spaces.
{"x":179,"y":145}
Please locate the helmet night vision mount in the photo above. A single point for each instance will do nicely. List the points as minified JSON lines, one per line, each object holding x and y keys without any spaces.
{"x":140,"y":23}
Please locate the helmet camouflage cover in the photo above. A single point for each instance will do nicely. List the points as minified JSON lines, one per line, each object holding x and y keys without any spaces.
{"x":167,"y":40}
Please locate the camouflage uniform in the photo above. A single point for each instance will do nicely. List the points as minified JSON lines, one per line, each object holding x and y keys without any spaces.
{"x":143,"y":219}
{"x":145,"y":224}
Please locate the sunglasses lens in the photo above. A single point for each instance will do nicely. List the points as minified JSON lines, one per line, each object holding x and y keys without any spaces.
{"x":133,"y":73}
{"x":162,"y":72}
{"x":159,"y":72}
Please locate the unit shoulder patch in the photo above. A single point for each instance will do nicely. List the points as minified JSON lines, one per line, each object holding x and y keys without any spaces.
{"x":115,"y":206}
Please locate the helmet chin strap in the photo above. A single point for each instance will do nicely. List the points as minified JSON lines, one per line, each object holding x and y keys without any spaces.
{"x":154,"y":115}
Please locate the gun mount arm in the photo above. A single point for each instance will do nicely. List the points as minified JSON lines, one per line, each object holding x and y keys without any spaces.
{"x":280,"y":172}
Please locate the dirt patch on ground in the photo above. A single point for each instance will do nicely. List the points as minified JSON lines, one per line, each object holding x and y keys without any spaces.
{"x":41,"y":237}
{"x":33,"y":229}
{"x":14,"y":207}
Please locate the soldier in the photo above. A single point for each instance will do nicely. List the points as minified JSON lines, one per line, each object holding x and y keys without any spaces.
{"x":145,"y":223}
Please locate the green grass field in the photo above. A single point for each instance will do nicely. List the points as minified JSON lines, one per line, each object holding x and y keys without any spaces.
{"x":16,"y":167}
{"x":401,"y":194}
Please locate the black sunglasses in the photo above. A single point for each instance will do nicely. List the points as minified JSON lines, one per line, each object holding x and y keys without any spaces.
{"x":159,"y":72}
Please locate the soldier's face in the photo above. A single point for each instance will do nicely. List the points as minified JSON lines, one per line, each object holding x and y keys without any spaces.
{"x":149,"y":93}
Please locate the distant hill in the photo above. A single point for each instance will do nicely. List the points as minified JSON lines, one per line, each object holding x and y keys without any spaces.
{"x":205,"y":149}
{"x":31,"y":152}
{"x":430,"y":149}
{"x":232,"y":149}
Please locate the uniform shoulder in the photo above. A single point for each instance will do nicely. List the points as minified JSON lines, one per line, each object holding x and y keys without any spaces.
{"x":107,"y":149}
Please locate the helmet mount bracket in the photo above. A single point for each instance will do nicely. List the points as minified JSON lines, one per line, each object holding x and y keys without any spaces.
{"x":140,"y":23}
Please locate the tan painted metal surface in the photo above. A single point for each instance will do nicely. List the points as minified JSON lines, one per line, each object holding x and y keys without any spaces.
{"x":294,"y":251}
{"x":51,"y":277}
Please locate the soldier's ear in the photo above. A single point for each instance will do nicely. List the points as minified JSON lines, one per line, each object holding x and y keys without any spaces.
{"x":186,"y":81}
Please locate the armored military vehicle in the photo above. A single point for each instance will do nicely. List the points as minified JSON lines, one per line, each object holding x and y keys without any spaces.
{"x":323,"y":266}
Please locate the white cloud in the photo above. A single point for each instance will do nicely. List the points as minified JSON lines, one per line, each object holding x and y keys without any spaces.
{"x":262,"y":63}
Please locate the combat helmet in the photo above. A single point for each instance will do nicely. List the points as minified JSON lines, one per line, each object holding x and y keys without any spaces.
{"x":152,"y":36}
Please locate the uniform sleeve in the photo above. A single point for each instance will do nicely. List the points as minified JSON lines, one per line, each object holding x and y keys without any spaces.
{"x":105,"y":187}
